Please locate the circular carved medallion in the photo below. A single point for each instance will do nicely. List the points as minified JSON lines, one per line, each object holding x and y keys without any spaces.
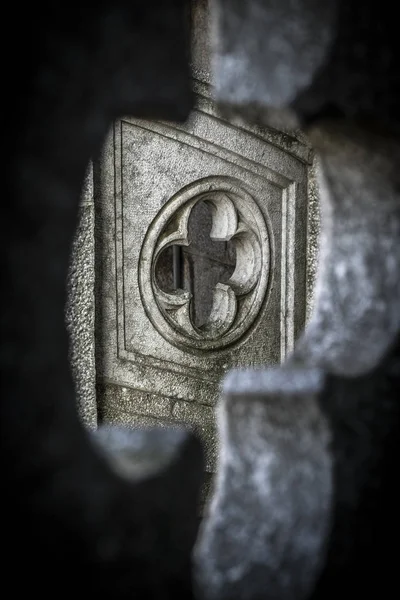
{"x":236,"y":217}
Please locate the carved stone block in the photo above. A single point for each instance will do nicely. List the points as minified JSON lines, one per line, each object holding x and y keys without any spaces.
{"x":151,"y":177}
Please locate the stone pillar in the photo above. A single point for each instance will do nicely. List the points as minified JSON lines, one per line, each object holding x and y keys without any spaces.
{"x":80,"y":313}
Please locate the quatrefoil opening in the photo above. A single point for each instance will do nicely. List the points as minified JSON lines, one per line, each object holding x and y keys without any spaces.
{"x":236,"y":218}
{"x":226,"y":226}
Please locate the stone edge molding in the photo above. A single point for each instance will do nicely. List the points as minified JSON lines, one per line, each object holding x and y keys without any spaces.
{"x":236,"y":303}
{"x":81,"y":283}
{"x":80,"y":309}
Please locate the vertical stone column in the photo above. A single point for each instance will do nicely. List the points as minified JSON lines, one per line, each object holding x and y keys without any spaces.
{"x":81,"y":308}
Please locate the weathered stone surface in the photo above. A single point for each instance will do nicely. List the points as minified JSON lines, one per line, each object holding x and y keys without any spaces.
{"x":137,"y":346}
{"x":145,"y":392}
{"x":280,"y":409}
{"x":91,"y":529}
{"x":268,"y":519}
{"x":293,"y":61}
{"x":326,"y":533}
{"x":314,"y":229}
{"x":357,"y":315}
{"x":80,"y":311}
{"x":266,"y":53}
{"x":122,"y":406}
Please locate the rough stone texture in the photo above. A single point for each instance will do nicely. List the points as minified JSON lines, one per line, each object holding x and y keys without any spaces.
{"x":264,"y":74}
{"x":310,"y":459}
{"x":286,"y":62}
{"x":79,"y":521}
{"x":203,"y":267}
{"x":305,"y":478}
{"x":124,"y":406}
{"x":202,"y":69}
{"x":314,"y":229}
{"x":141,"y":153}
{"x":356,"y":317}
{"x":267,"y":522}
{"x":201,"y":59}
{"x":334,"y":494}
{"x":80,"y":309}
{"x":119,"y":401}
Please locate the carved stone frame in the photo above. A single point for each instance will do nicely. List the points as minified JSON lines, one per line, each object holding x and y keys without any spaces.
{"x":81,"y":285}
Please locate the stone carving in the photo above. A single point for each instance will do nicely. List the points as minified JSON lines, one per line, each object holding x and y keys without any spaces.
{"x":306,"y":490}
{"x":237,"y":302}
{"x":305,"y":476}
{"x":251,"y":149}
{"x":153,"y":369}
{"x":80,"y":313}
{"x":277,"y":427}
{"x":92,"y":530}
